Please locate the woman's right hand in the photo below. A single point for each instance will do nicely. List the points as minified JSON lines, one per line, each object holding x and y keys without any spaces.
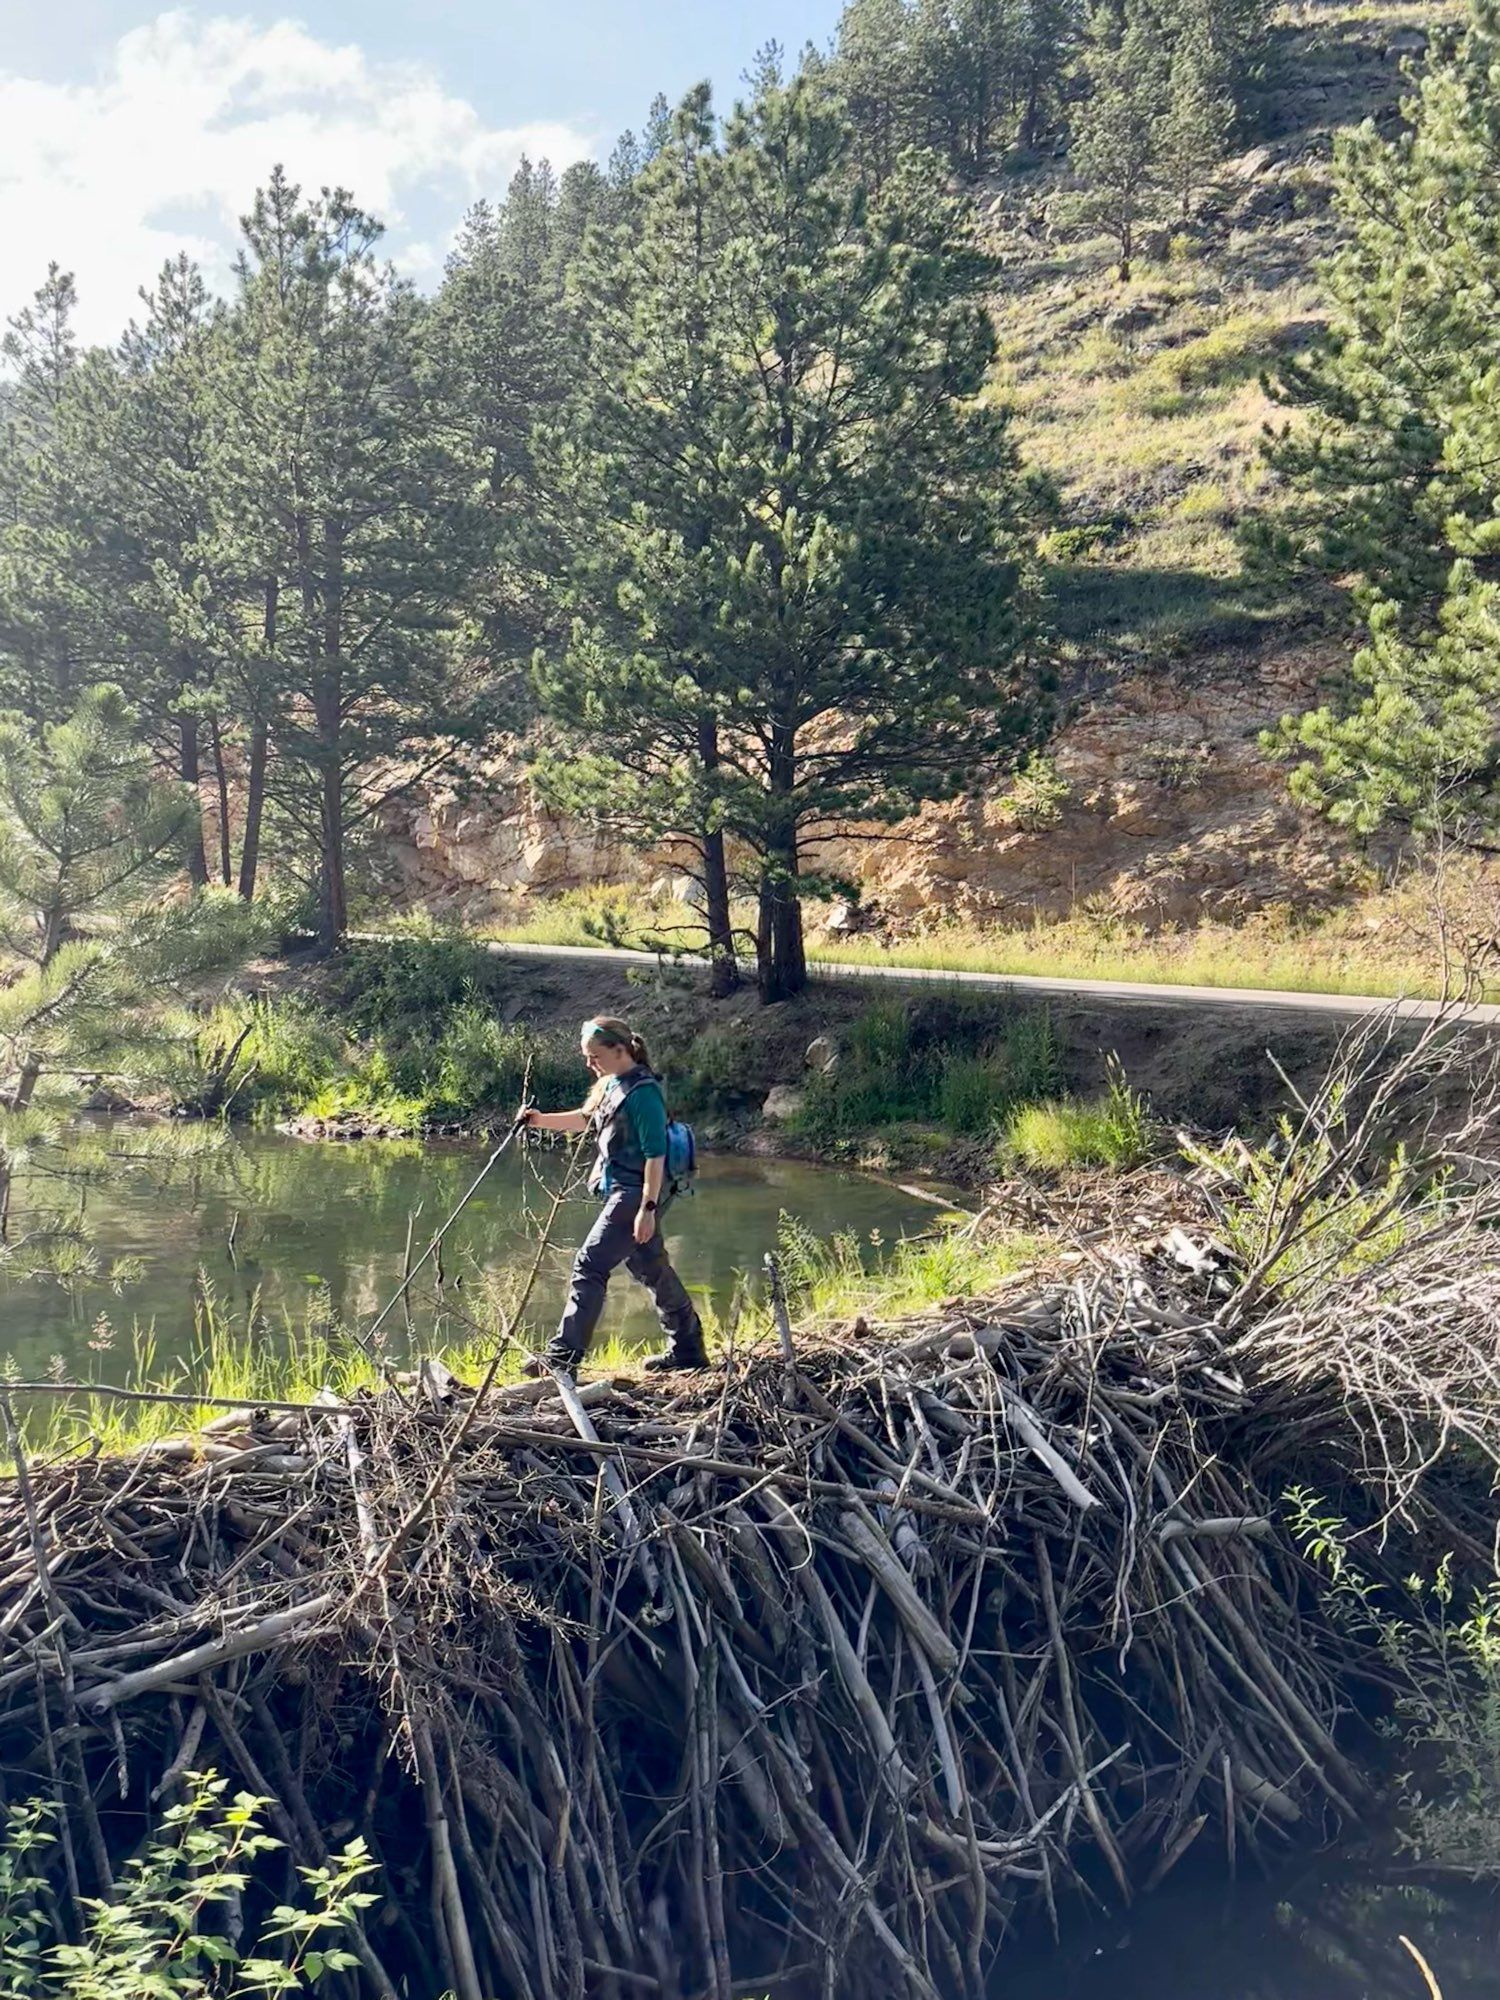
{"x":527,"y":1115}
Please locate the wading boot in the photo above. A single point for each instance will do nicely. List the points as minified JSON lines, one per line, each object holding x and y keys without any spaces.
{"x":683,"y":1355}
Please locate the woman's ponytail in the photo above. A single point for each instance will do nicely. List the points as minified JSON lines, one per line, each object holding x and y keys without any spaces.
{"x":639,"y":1053}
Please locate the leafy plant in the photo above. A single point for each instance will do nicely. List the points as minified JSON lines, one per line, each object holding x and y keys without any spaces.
{"x":162,"y":1934}
{"x":1288,"y":1213}
{"x":959,"y":1073}
{"x":1034,"y":799}
{"x":1052,"y":1137}
{"x":1445,"y":1663}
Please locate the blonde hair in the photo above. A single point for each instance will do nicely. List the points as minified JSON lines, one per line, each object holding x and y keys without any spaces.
{"x":614,"y":1034}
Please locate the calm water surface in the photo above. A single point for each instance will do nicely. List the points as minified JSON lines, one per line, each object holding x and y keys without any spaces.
{"x":327,"y":1222}
{"x":1324,"y":1927}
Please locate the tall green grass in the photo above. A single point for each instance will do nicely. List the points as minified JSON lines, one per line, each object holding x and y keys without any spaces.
{"x":962,"y":1073}
{"x":402,"y":1034}
{"x":1058,"y":1135}
{"x":839,"y":1276}
{"x":254,"y":1359}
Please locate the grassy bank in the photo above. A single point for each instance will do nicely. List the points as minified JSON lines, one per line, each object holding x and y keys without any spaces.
{"x":418,"y":1035}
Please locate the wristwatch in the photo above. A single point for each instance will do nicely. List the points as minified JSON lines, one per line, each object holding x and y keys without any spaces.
{"x":649,"y":1207}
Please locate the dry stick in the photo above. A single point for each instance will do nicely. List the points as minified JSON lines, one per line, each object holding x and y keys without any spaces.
{"x":779,"y":1309}
{"x":1091,"y":1806}
{"x":1028,"y":1428}
{"x":465,"y":1970}
{"x":889,"y":1761}
{"x":712,"y":1763}
{"x":635,"y":1541}
{"x":450,"y":1452}
{"x":1434,"y":1990}
{"x":270,"y":1632}
{"x":924,"y":1629}
{"x":58,"y":1617}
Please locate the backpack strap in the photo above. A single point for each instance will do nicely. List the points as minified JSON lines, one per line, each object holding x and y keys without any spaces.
{"x":625,"y":1097}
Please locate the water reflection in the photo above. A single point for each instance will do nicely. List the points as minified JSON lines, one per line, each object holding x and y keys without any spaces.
{"x":1324,"y":1930}
{"x":301,"y":1224}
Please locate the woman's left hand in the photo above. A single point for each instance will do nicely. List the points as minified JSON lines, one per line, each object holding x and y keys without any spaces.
{"x":645,"y":1225}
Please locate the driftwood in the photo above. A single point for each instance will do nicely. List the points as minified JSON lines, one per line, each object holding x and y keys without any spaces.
{"x":808,"y":1676}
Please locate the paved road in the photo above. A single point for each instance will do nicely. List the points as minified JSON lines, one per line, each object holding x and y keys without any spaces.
{"x":1121,"y":991}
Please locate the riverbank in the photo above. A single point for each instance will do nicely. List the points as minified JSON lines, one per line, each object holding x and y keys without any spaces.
{"x":839,"y":1657}
{"x":442,"y":1035}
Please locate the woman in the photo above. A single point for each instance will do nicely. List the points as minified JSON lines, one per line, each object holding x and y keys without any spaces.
{"x":628,"y":1114}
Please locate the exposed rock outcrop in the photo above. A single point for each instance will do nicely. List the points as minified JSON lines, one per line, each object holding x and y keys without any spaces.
{"x":1171,"y":813}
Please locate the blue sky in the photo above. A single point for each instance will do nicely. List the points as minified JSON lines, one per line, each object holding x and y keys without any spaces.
{"x":128,"y":131}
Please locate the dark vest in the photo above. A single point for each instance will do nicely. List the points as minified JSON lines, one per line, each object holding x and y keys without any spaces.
{"x":619,"y":1153}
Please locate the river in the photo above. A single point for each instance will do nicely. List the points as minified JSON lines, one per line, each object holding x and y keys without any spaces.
{"x":301,"y":1225}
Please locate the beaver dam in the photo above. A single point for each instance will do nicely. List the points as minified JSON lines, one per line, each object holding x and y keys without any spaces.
{"x":817,"y":1673}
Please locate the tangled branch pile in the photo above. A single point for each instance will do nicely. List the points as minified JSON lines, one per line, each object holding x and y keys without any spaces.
{"x":822,"y":1666}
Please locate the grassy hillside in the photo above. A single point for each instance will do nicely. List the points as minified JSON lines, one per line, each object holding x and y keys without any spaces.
{"x":1144,"y":401}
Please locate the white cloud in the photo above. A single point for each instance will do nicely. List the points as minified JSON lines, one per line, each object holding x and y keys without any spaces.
{"x":164,"y":150}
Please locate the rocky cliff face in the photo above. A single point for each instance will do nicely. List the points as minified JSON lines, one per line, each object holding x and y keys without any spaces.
{"x":1170,"y":814}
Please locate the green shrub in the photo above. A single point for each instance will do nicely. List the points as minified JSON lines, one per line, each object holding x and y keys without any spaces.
{"x":960,"y":1074}
{"x":1441,"y":1657}
{"x":165,"y":1930}
{"x":1035,"y":796}
{"x":407,"y":982}
{"x":1295,"y":1213}
{"x":1058,"y":1134}
{"x":713,"y":1072}
{"x":480,"y":1063}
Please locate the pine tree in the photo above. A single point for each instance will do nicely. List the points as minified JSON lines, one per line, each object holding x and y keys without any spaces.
{"x":1400,"y":465}
{"x":1234,"y":44}
{"x":144,"y":522}
{"x":362,"y":497}
{"x":90,"y":839}
{"x":1043,"y":35}
{"x":821,"y":564}
{"x":1190,"y":134}
{"x":45,"y":617}
{"x":1117,"y":140}
{"x":1418,"y":743}
{"x":1379,"y":465}
{"x":872,"y":71}
{"x":630,"y":543}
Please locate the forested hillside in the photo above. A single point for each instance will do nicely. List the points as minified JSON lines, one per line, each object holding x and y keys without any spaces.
{"x":885,"y":449}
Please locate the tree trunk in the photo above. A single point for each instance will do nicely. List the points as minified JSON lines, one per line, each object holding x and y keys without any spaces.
{"x":328,"y":713}
{"x":255,"y":778}
{"x":781,"y":959}
{"x":188,"y":766}
{"x":724,"y":971}
{"x":31,"y":1069}
{"x":255,"y":805}
{"x":780,"y":954}
{"x":333,"y":917}
{"x":221,"y":786}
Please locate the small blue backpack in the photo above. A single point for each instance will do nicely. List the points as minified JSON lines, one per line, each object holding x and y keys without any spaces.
{"x":682,"y":1157}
